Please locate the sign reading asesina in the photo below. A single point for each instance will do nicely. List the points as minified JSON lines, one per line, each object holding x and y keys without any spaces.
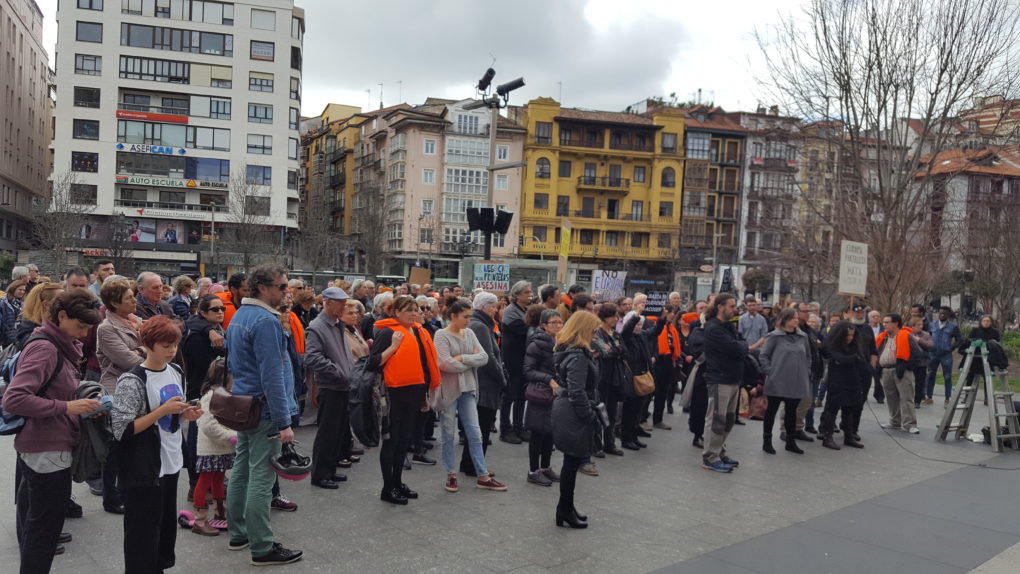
{"x":493,"y":277}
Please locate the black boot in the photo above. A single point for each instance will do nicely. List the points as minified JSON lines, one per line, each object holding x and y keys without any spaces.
{"x":791,"y":445}
{"x":566,"y":514}
{"x":827,"y":442}
{"x":766,"y":444}
{"x":850,"y":440}
{"x":581,"y":517}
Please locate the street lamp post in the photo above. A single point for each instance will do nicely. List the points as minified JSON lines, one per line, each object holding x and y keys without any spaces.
{"x":715,"y":257}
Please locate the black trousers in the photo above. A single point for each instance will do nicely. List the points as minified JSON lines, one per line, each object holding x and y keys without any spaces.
{"x":663,"y":382}
{"x":42,"y":504}
{"x":421,"y":423}
{"x":405,"y":404}
{"x":190,"y":452}
{"x":540,"y":450}
{"x":698,"y":409}
{"x":629,"y":418}
{"x":789,"y":416}
{"x":837,"y":399}
{"x":150,"y":526}
{"x":879,"y":389}
{"x":486,"y":417}
{"x":859,"y":406}
{"x":513,"y":404}
{"x":609,"y":395}
{"x":568,"y":480}
{"x":111,"y":487}
{"x":920,"y":374}
{"x":332,"y":438}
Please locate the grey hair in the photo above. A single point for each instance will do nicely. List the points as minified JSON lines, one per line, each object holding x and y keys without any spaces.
{"x":357,"y":284}
{"x":181,"y":282}
{"x":549,"y":315}
{"x":114,"y":278}
{"x":356,"y":303}
{"x":519,"y":287}
{"x":379,"y":301}
{"x":144,"y":275}
{"x":485,"y":298}
{"x":425,"y":300}
{"x":19,"y":272}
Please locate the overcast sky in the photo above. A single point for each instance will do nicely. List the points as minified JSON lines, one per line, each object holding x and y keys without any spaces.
{"x":598,"y":54}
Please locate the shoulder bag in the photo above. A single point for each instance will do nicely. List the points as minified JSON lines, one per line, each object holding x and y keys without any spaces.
{"x":237,"y":412}
{"x":644,"y":384}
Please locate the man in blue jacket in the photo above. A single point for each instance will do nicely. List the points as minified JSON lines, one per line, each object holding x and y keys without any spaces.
{"x":724,"y":362}
{"x":945,"y":336}
{"x":260,"y":365}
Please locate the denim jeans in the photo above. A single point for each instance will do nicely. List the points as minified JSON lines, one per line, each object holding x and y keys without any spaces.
{"x":945,"y":360}
{"x":465,"y":407}
{"x":250,"y":486}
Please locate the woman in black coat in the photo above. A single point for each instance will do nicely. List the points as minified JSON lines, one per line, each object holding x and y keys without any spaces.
{"x":540,"y":375}
{"x":491,"y":381}
{"x":610,"y":353}
{"x":847,"y":364}
{"x":985,"y":331}
{"x":638,"y":358}
{"x":574,"y":418}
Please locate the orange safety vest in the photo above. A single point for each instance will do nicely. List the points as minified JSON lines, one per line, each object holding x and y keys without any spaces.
{"x":902,"y":342}
{"x":230,"y":307}
{"x":665,"y":346}
{"x":404,"y":367}
{"x":298,"y":332}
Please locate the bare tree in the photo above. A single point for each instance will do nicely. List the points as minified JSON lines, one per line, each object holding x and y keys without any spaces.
{"x":247,"y":230}
{"x":867,"y":66}
{"x":370,"y":211}
{"x":57,"y":220}
{"x":320,"y":244}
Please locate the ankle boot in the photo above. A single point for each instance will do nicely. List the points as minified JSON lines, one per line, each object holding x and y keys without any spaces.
{"x":850,"y":440}
{"x":791,"y":445}
{"x":827,"y":442}
{"x":200,"y":526}
{"x":581,"y":517}
{"x":566,"y":514}
{"x":766,"y":444}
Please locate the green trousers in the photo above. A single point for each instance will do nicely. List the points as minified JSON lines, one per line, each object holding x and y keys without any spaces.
{"x":249,"y":491}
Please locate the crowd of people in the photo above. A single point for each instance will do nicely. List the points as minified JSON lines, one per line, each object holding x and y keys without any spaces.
{"x":557,"y":370}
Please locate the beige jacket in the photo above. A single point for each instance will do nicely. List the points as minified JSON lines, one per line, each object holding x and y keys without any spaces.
{"x":213,"y":438}
{"x":118,"y":349}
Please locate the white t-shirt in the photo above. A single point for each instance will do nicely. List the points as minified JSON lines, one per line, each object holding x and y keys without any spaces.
{"x":161,"y":386}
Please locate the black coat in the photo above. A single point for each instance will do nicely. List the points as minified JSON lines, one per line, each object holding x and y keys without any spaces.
{"x":538,"y":369}
{"x":491,"y":380}
{"x":724,"y":353}
{"x":610,"y":355}
{"x":639,"y":358}
{"x":515,"y":340}
{"x":977,"y":365}
{"x":846,"y":369}
{"x":574,"y":423}
{"x":198,"y":353}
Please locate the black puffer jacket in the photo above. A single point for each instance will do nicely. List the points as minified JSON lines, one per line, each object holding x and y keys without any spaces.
{"x":538,"y":369}
{"x":574,"y":423}
{"x":198,"y":354}
{"x":724,"y":353}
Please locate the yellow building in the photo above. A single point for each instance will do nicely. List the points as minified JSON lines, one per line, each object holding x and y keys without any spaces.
{"x":616,"y":177}
{"x":326,"y":158}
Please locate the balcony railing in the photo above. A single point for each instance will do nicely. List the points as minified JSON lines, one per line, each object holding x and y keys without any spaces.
{"x":153,"y":109}
{"x":604,"y":183}
{"x":628,"y":146}
{"x":623,"y":250}
{"x":336,"y":206}
{"x":591,"y":214}
{"x":166,"y":205}
{"x":337,"y":180}
{"x":777,"y":163}
{"x":598,"y":142}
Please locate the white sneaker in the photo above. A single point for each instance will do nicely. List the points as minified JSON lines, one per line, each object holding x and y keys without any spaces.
{"x":913,"y":430}
{"x":890,"y":426}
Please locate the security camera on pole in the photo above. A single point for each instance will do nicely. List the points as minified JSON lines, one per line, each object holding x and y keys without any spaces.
{"x":486,"y":219}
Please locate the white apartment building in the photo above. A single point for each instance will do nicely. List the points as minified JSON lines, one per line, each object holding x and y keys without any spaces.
{"x":164,"y":107}
{"x":24,"y":118}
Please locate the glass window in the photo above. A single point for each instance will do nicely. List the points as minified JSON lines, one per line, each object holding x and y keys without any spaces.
{"x":260,"y":114}
{"x":292,"y":179}
{"x":134,"y":194}
{"x":86,"y":97}
{"x":294,"y":119}
{"x":207,"y":169}
{"x":174,"y":197}
{"x":86,"y":129}
{"x":562,"y":205}
{"x":502,"y":152}
{"x":565,"y":168}
{"x":292,"y":148}
{"x":543,"y":132}
{"x":131,"y":7}
{"x":295,"y":57}
{"x":639,"y":174}
{"x":260,"y":144}
{"x":668,"y":177}
{"x":88,"y":64}
{"x":90,"y":4}
{"x":89,"y":32}
{"x":668,"y":143}
{"x":542,"y":168}
{"x":83,"y":194}
{"x":698,"y":145}
{"x":541,"y":201}
{"x":260,"y":82}
{"x":540,"y":233}
{"x":256,"y":206}
{"x":297,"y":28}
{"x":665,"y":209}
{"x":84,"y":161}
{"x":259,"y":174}
{"x":262,"y":50}
{"x":295,"y":89}
{"x":428,"y":176}
{"x":502,"y":183}
{"x":430,"y":147}
{"x":263,"y":19}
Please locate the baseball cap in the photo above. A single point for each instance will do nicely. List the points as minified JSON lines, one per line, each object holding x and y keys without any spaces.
{"x":335,"y":293}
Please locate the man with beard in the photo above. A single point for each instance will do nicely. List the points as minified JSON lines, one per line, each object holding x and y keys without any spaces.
{"x":865,"y":339}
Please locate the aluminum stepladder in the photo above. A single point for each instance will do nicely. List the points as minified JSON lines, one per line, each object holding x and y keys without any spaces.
{"x":1002,"y":415}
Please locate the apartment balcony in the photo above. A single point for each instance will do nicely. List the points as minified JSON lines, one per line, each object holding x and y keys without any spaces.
{"x":594,"y":142}
{"x":338,"y":154}
{"x":336,"y":206}
{"x":775,"y":193}
{"x":192,"y":211}
{"x":597,"y":251}
{"x":603,"y":183}
{"x":647,"y":147}
{"x":153,"y":113}
{"x":338,"y":179}
{"x":774,"y":164}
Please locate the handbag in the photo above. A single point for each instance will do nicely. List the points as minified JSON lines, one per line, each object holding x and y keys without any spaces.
{"x":758,"y":404}
{"x":644,"y":384}
{"x":539,"y":394}
{"x":237,"y":412}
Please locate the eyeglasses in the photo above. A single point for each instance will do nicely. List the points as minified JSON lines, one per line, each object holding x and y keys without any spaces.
{"x":282,"y":286}
{"x":425,"y":309}
{"x":217,"y":309}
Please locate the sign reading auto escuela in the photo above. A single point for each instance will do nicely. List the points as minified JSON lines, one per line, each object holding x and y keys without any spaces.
{"x":170,"y":182}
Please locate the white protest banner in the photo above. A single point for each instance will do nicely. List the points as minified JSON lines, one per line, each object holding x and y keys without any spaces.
{"x":607,"y":285}
{"x":853,"y":268}
{"x":494,"y":277}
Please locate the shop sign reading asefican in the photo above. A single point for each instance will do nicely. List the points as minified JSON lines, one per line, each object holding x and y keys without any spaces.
{"x":170,"y":182}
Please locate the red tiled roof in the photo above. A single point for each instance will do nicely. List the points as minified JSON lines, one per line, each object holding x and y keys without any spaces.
{"x":714,"y":120}
{"x":604,"y":117}
{"x":1004,"y":161}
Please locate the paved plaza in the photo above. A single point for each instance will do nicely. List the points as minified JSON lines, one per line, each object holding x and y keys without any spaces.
{"x":881,"y":509}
